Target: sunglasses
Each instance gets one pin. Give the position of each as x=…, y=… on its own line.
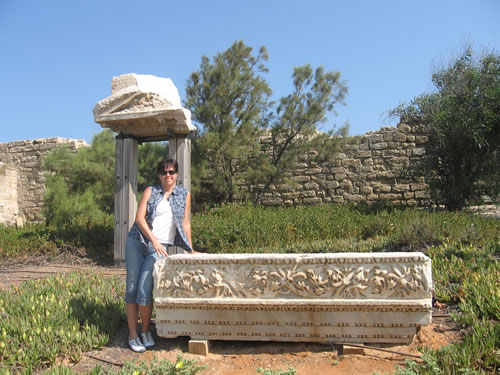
x=171, y=173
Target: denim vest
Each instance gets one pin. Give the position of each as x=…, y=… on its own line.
x=178, y=203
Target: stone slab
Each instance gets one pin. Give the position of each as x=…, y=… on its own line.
x=143, y=106
x=346, y=297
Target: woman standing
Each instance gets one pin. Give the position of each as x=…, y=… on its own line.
x=162, y=221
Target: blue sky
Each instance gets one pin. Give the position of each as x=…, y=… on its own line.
x=58, y=57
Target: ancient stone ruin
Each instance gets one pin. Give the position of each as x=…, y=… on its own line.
x=142, y=108
x=331, y=298
x=22, y=180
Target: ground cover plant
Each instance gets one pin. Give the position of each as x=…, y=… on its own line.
x=464, y=248
x=61, y=316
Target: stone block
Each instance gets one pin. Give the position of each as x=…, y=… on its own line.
x=399, y=160
x=331, y=184
x=390, y=196
x=344, y=297
x=351, y=163
x=418, y=151
x=382, y=188
x=379, y=146
x=346, y=184
x=311, y=171
x=199, y=347
x=368, y=162
x=285, y=188
x=417, y=187
x=399, y=188
x=375, y=138
x=143, y=106
x=311, y=186
x=354, y=198
x=399, y=137
x=301, y=179
x=366, y=189
x=388, y=137
x=421, y=194
x=408, y=195
x=364, y=154
x=404, y=128
x=337, y=170
x=419, y=139
x=308, y=194
x=292, y=195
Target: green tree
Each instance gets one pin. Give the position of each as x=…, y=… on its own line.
x=294, y=130
x=228, y=98
x=80, y=183
x=150, y=154
x=462, y=157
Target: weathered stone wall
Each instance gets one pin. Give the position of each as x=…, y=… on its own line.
x=22, y=182
x=368, y=171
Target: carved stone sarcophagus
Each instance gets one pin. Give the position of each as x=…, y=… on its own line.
x=340, y=298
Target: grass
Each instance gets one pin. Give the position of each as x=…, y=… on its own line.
x=465, y=253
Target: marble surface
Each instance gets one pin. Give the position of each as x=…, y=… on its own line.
x=338, y=297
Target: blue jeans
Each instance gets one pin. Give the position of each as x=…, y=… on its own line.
x=140, y=260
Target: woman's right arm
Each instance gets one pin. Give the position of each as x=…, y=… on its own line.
x=140, y=219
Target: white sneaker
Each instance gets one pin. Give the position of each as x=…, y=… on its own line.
x=147, y=339
x=136, y=345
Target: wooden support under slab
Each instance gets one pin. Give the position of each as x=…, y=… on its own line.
x=348, y=349
x=200, y=347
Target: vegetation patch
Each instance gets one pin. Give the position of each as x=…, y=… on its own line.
x=61, y=316
x=67, y=315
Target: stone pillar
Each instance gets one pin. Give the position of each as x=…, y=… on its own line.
x=179, y=148
x=125, y=193
x=9, y=209
x=142, y=108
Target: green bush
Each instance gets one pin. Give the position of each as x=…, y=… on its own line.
x=92, y=237
x=80, y=184
x=29, y=239
x=61, y=316
x=462, y=155
x=244, y=228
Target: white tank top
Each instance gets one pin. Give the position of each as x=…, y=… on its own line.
x=163, y=224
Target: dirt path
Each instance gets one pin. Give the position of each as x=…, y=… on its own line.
x=239, y=357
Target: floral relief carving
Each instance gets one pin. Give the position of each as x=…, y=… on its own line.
x=397, y=281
